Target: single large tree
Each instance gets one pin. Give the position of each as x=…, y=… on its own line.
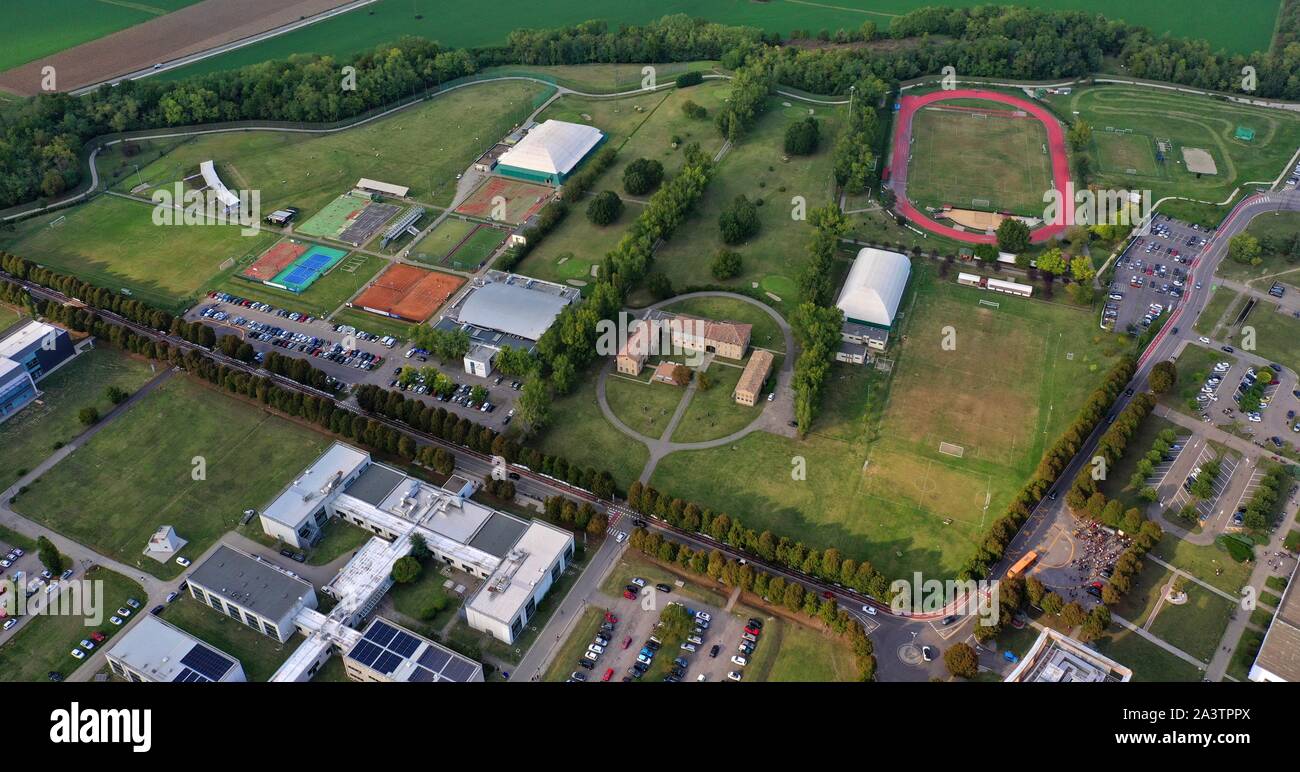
x=1163, y=376
x=642, y=176
x=1013, y=236
x=961, y=660
x=605, y=208
x=739, y=220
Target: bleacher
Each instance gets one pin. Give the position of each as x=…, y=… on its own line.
x=403, y=224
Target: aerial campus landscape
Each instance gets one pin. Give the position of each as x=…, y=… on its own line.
x=731, y=341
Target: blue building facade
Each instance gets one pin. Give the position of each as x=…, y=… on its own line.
x=28, y=354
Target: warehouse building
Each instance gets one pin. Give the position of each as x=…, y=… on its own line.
x=870, y=296
x=549, y=152
x=153, y=651
x=251, y=591
x=29, y=353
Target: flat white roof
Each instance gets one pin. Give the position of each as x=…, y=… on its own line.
x=160, y=650
x=302, y=496
x=512, y=309
x=552, y=147
x=8, y=368
x=25, y=337
x=1011, y=285
x=227, y=198
x=872, y=291
x=509, y=588
x=382, y=187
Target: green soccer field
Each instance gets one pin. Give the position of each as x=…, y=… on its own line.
x=436, y=246
x=138, y=473
x=478, y=247
x=51, y=26
x=1239, y=27
x=113, y=242
x=974, y=160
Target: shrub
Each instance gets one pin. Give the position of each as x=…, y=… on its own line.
x=605, y=208
x=642, y=176
x=726, y=264
x=802, y=137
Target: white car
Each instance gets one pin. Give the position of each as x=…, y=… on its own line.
x=1204, y=340
x=735, y=676
x=183, y=562
x=596, y=649
x=703, y=615
x=115, y=620
x=590, y=655
x=621, y=537
x=688, y=647
x=1254, y=419
x=78, y=653
x=11, y=622
x=87, y=645
x=870, y=610
x=736, y=659
x=638, y=581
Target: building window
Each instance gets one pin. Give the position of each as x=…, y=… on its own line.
x=516, y=628
x=555, y=572
x=530, y=608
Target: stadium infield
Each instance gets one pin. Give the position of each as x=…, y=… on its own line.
x=990, y=160
x=408, y=292
x=522, y=200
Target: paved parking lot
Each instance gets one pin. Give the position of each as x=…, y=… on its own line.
x=1205, y=507
x=30, y=568
x=1153, y=270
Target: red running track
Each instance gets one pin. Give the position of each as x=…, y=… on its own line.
x=903, y=145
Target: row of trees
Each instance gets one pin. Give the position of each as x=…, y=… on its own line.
x=774, y=590
x=1085, y=493
x=816, y=322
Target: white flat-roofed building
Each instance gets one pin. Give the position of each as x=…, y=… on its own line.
x=1010, y=287
x=478, y=360
x=228, y=199
x=298, y=513
x=1058, y=658
x=508, y=600
x=1279, y=655
x=153, y=651
x=251, y=591
x=375, y=186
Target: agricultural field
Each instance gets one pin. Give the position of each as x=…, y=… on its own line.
x=977, y=160
x=1241, y=27
x=55, y=25
x=445, y=135
x=1149, y=117
x=757, y=168
x=877, y=486
x=138, y=473
x=326, y=294
x=28, y=437
x=112, y=242
x=44, y=643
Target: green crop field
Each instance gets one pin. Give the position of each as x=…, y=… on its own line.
x=877, y=486
x=1240, y=27
x=137, y=473
x=423, y=147
x=44, y=643
x=51, y=26
x=1185, y=121
x=29, y=437
x=113, y=242
x=959, y=157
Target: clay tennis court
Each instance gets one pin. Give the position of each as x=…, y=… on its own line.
x=408, y=292
x=522, y=199
x=274, y=260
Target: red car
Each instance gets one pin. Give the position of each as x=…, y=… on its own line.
x=613, y=620
x=629, y=595
x=627, y=642
x=754, y=631
x=609, y=673
x=98, y=637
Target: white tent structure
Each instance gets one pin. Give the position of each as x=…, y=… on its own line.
x=228, y=200
x=164, y=544
x=874, y=288
x=549, y=152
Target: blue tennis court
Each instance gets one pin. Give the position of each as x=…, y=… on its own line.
x=304, y=271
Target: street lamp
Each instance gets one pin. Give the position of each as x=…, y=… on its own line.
x=852, y=90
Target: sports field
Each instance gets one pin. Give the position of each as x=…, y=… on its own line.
x=423, y=147
x=327, y=293
x=978, y=157
x=1238, y=27
x=438, y=245
x=270, y=263
x=877, y=485
x=408, y=292
x=477, y=248
x=349, y=218
x=505, y=199
x=1148, y=116
x=51, y=26
x=137, y=473
x=112, y=242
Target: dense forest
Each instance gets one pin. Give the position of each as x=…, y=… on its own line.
x=40, y=143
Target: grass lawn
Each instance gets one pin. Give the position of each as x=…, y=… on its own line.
x=1243, y=656
x=757, y=168
x=567, y=254
x=43, y=642
x=1210, y=563
x=333, y=671
x=644, y=406
x=55, y=25
x=579, y=431
x=634, y=564
x=1276, y=583
x=1194, y=365
x=1117, y=482
x=1274, y=232
x=442, y=240
x=479, y=247
x=8, y=316
x=1197, y=625
x=113, y=243
x=803, y=655
x=603, y=78
x=416, y=600
x=714, y=413
x=764, y=332
x=260, y=655
x=877, y=486
x=1147, y=589
x=29, y=437
x=136, y=474
x=566, y=659
x=321, y=298
x=961, y=156
x=1277, y=334
x=445, y=134
x=340, y=539
x=1149, y=662
x=1185, y=121
x=1220, y=301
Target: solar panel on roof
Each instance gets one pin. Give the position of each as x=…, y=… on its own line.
x=433, y=658
x=420, y=675
x=404, y=644
x=380, y=633
x=366, y=652
x=207, y=662
x=387, y=662
x=458, y=670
